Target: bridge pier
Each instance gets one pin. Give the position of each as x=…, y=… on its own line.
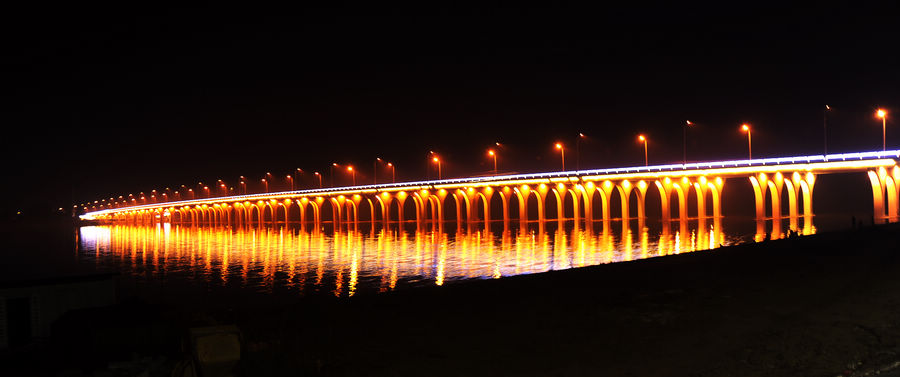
x=885, y=191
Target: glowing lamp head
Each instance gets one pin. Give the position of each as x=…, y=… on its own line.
x=490, y=152
x=688, y=123
x=349, y=168
x=390, y=164
x=642, y=138
x=881, y=113
x=745, y=128
x=435, y=159
x=316, y=173
x=558, y=146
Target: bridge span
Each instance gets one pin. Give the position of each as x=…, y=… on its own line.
x=575, y=192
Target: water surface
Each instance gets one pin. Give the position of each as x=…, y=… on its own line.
x=166, y=261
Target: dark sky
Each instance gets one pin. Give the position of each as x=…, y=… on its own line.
x=111, y=100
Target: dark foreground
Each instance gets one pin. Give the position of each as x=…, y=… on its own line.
x=822, y=305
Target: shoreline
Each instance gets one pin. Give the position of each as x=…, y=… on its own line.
x=818, y=305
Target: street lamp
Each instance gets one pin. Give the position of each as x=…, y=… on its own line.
x=375, y=171
x=393, y=176
x=883, y=115
x=746, y=128
x=352, y=173
x=438, y=161
x=825, y=130
x=333, y=165
x=289, y=178
x=644, y=140
x=578, y=150
x=320, y=178
x=494, y=155
x=562, y=152
x=266, y=183
x=687, y=124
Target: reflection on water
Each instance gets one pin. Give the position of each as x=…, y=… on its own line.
x=367, y=259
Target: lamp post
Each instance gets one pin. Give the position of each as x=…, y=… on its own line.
x=438, y=161
x=375, y=171
x=825, y=130
x=333, y=165
x=562, y=152
x=494, y=155
x=291, y=179
x=352, y=174
x=883, y=115
x=320, y=178
x=644, y=140
x=746, y=128
x=393, y=176
x=266, y=183
x=687, y=124
x=578, y=151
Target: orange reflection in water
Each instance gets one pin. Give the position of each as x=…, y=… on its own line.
x=347, y=262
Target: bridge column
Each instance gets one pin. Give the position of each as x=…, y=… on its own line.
x=385, y=199
x=522, y=193
x=301, y=205
x=560, y=192
x=759, y=186
x=541, y=192
x=354, y=200
x=576, y=192
x=605, y=190
x=715, y=188
x=701, y=188
x=458, y=202
x=587, y=195
x=471, y=199
x=401, y=199
x=371, y=212
x=336, y=211
x=641, y=193
x=486, y=195
x=506, y=194
x=624, y=189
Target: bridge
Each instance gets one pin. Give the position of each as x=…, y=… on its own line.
x=574, y=192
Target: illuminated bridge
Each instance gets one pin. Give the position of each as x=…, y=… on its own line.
x=574, y=192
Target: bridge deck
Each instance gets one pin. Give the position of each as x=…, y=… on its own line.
x=843, y=162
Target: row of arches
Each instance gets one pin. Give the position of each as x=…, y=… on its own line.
x=532, y=201
x=885, y=193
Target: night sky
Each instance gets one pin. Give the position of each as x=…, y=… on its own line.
x=107, y=100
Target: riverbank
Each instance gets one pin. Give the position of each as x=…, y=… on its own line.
x=820, y=305
x=823, y=305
